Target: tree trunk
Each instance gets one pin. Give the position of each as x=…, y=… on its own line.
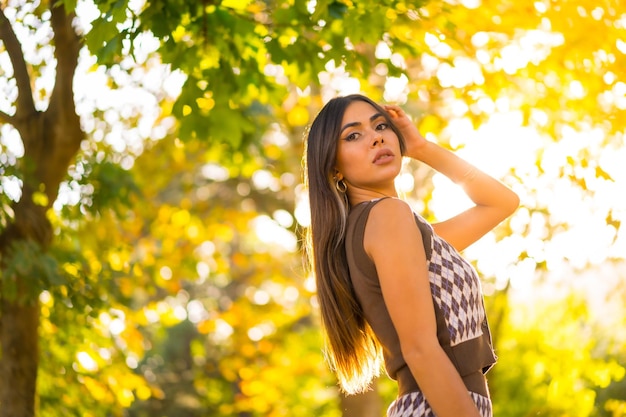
x=19, y=317
x=18, y=367
x=51, y=141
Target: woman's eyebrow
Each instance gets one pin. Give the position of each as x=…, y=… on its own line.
x=372, y=118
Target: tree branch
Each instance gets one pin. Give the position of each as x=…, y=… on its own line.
x=67, y=47
x=62, y=142
x=25, y=105
x=6, y=118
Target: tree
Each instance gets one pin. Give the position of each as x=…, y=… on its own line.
x=164, y=237
x=233, y=54
x=50, y=139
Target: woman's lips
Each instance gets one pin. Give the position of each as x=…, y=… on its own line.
x=383, y=156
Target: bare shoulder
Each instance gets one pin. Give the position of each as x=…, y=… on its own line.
x=391, y=206
x=391, y=222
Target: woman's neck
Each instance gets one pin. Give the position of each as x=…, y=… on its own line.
x=360, y=195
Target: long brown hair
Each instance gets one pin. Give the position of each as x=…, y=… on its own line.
x=352, y=349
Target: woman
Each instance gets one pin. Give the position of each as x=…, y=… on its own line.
x=391, y=286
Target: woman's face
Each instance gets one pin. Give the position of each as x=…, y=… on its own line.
x=368, y=150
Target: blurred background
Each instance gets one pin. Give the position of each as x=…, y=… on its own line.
x=152, y=206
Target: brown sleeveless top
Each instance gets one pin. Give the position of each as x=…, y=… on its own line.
x=462, y=328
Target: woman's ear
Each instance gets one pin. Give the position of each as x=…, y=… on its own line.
x=337, y=175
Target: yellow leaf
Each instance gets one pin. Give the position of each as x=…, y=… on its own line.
x=125, y=397
x=206, y=326
x=288, y=37
x=247, y=373
x=143, y=392
x=211, y=59
x=126, y=286
x=260, y=30
x=181, y=218
x=205, y=104
x=41, y=199
x=179, y=33
x=298, y=116
x=98, y=390
x=116, y=261
x=236, y=4
x=429, y=124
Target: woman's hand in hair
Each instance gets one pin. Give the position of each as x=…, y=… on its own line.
x=412, y=137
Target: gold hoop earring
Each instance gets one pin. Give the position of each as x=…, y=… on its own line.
x=341, y=186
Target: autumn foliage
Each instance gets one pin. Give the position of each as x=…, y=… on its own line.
x=167, y=277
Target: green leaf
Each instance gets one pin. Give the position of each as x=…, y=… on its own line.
x=337, y=10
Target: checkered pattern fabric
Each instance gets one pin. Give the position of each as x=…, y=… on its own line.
x=456, y=289
x=415, y=405
x=412, y=404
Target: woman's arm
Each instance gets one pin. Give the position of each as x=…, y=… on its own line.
x=493, y=200
x=393, y=241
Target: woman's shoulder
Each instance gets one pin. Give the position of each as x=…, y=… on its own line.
x=390, y=203
x=380, y=206
x=387, y=214
x=391, y=220
x=391, y=206
x=387, y=210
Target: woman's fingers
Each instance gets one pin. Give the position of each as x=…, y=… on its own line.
x=395, y=111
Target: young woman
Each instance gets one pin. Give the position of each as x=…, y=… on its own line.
x=392, y=287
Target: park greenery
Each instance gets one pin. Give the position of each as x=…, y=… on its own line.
x=152, y=206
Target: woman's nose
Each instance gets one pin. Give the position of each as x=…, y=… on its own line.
x=378, y=140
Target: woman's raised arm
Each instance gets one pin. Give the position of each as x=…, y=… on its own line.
x=493, y=200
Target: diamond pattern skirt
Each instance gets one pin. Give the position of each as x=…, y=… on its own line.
x=414, y=404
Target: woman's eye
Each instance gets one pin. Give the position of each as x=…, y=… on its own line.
x=352, y=136
x=382, y=126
